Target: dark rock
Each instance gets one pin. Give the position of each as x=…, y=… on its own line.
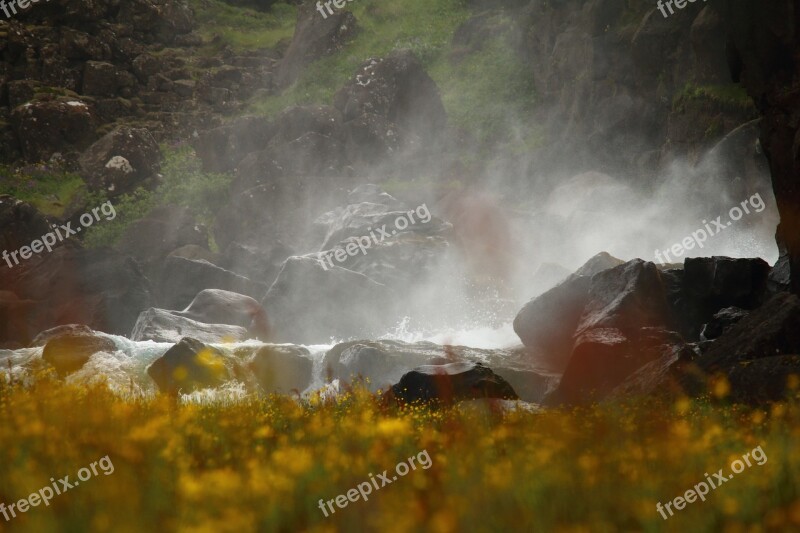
x=192, y=365
x=722, y=322
x=282, y=369
x=450, y=383
x=772, y=329
x=259, y=263
x=68, y=352
x=121, y=160
x=398, y=89
x=314, y=37
x=182, y=279
x=548, y=322
x=709, y=284
x=58, y=125
x=604, y=357
x=160, y=325
x=20, y=319
x=20, y=224
x=100, y=79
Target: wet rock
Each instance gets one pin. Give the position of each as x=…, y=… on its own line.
x=160, y=325
x=215, y=306
x=450, y=383
x=182, y=279
x=722, y=322
x=68, y=351
x=281, y=369
x=772, y=329
x=191, y=365
x=604, y=357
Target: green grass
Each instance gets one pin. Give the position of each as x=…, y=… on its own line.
x=47, y=191
x=425, y=27
x=185, y=184
x=241, y=28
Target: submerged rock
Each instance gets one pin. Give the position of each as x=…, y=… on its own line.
x=191, y=365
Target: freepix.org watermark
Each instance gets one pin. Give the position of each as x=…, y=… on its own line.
x=365, y=488
x=680, y=4
x=699, y=237
x=361, y=244
x=56, y=488
x=701, y=489
x=13, y=4
x=59, y=233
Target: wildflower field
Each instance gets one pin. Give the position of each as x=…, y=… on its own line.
x=263, y=464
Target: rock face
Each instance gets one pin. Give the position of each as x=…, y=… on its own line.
x=160, y=325
x=192, y=365
x=68, y=351
x=120, y=161
x=450, y=383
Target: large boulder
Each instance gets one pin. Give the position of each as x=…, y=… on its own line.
x=68, y=351
x=222, y=148
x=315, y=36
x=182, y=279
x=772, y=329
x=121, y=161
x=99, y=287
x=771, y=379
x=604, y=357
x=398, y=89
x=450, y=383
x=548, y=322
x=20, y=224
x=20, y=320
x=47, y=126
x=281, y=369
x=216, y=306
x=192, y=365
x=160, y=325
x=627, y=297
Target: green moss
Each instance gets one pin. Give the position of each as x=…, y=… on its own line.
x=184, y=184
x=241, y=28
x=732, y=96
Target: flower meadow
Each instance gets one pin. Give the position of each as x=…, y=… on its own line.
x=263, y=463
